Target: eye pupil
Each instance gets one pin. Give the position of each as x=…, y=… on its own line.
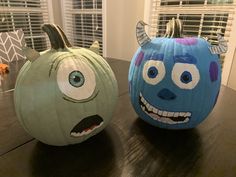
x=152, y=72
x=76, y=79
x=186, y=77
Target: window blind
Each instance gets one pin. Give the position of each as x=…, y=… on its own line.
x=83, y=22
x=200, y=18
x=28, y=15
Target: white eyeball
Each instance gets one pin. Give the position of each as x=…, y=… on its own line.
x=76, y=79
x=185, y=76
x=153, y=71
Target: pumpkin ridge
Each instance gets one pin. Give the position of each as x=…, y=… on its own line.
x=90, y=53
x=57, y=60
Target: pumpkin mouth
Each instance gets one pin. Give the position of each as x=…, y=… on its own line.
x=86, y=126
x=163, y=115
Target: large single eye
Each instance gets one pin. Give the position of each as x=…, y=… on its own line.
x=76, y=79
x=185, y=76
x=153, y=71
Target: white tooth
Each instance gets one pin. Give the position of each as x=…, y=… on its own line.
x=176, y=114
x=145, y=102
x=164, y=113
x=169, y=121
x=143, y=108
x=161, y=120
x=164, y=120
x=150, y=108
x=181, y=122
x=182, y=114
x=170, y=114
x=74, y=134
x=147, y=106
x=142, y=99
x=160, y=112
x=140, y=94
x=154, y=118
x=186, y=120
x=155, y=110
x=188, y=114
x=80, y=134
x=86, y=132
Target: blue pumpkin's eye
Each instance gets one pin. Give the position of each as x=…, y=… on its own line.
x=186, y=77
x=76, y=79
x=152, y=72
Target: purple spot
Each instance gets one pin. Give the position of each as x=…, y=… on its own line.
x=213, y=71
x=186, y=41
x=139, y=58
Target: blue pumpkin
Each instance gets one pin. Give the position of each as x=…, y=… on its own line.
x=174, y=82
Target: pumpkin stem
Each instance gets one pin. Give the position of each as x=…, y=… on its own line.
x=56, y=36
x=174, y=29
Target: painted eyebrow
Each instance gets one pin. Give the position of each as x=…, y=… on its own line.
x=56, y=62
x=187, y=58
x=52, y=65
x=154, y=56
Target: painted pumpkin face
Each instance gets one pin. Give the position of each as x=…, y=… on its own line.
x=174, y=82
x=66, y=95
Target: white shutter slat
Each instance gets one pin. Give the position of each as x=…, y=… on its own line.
x=200, y=18
x=192, y=2
x=28, y=15
x=216, y=20
x=83, y=22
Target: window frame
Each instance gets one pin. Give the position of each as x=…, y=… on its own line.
x=47, y=18
x=104, y=23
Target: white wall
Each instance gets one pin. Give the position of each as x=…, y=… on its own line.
x=55, y=10
x=230, y=63
x=57, y=13
x=232, y=76
x=122, y=17
x=229, y=70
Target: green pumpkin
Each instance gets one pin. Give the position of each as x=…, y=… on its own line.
x=64, y=95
